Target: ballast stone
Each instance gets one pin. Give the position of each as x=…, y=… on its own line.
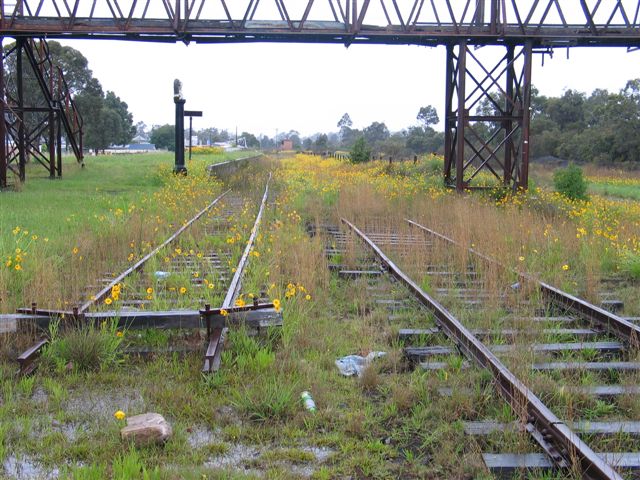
x=146, y=429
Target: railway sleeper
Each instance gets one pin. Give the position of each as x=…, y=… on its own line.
x=409, y=334
x=508, y=465
x=552, y=348
x=555, y=366
x=607, y=392
x=589, y=427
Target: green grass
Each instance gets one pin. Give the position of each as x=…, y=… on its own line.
x=631, y=192
x=63, y=207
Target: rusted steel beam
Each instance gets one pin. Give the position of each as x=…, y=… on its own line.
x=262, y=317
x=497, y=152
x=563, y=446
x=3, y=126
x=461, y=121
x=598, y=317
x=140, y=263
x=27, y=357
x=412, y=21
x=235, y=309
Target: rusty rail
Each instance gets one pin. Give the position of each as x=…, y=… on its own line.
x=563, y=446
x=599, y=317
x=216, y=332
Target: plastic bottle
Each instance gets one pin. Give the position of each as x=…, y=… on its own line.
x=309, y=404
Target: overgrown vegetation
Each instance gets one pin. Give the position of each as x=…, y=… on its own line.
x=248, y=420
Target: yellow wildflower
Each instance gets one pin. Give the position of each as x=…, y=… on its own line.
x=119, y=415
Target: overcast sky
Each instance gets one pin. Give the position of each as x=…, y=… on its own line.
x=263, y=87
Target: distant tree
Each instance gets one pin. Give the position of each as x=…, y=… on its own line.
x=395, y=146
x=334, y=139
x=428, y=116
x=322, y=142
x=376, y=133
x=307, y=143
x=123, y=130
x=360, y=152
x=345, y=121
x=164, y=137
x=266, y=142
x=74, y=65
x=90, y=103
x=424, y=140
x=252, y=141
x=567, y=111
x=212, y=135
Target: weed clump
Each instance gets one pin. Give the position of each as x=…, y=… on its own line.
x=571, y=183
x=88, y=348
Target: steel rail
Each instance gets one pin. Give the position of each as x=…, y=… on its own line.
x=216, y=334
x=564, y=447
x=140, y=263
x=597, y=316
x=236, y=281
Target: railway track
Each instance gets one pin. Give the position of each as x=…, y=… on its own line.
x=151, y=294
x=567, y=368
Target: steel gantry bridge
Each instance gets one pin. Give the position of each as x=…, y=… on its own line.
x=493, y=138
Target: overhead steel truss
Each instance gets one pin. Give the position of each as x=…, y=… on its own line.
x=493, y=140
x=422, y=22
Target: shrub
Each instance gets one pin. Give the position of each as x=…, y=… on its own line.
x=570, y=182
x=360, y=152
